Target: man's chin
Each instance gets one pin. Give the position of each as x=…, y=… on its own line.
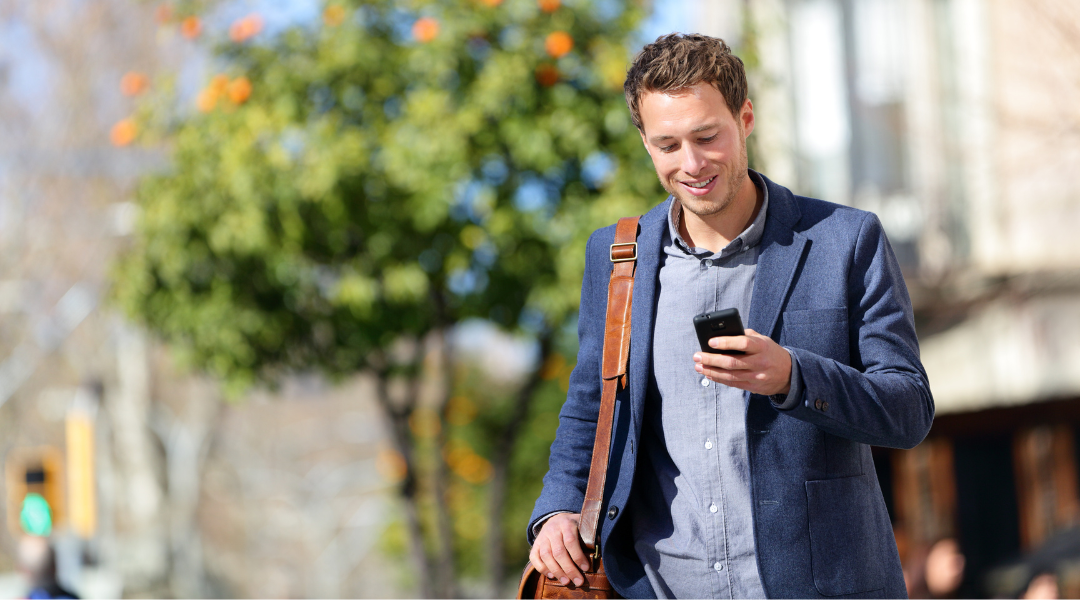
x=702, y=206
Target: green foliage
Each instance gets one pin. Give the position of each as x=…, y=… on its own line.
x=374, y=187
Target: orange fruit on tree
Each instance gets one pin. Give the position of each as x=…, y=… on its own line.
x=246, y=27
x=547, y=75
x=163, y=13
x=558, y=44
x=206, y=100
x=191, y=27
x=425, y=29
x=239, y=90
x=124, y=132
x=133, y=83
x=334, y=15
x=549, y=6
x=218, y=83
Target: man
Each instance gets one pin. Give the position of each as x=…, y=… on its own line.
x=737, y=476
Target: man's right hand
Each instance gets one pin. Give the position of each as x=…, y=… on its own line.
x=557, y=553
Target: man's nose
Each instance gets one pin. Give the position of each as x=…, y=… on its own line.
x=693, y=160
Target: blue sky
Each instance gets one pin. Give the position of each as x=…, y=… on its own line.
x=668, y=16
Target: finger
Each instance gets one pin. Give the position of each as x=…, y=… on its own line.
x=720, y=375
x=730, y=342
x=551, y=566
x=534, y=558
x=573, y=546
x=739, y=376
x=722, y=361
x=566, y=562
x=742, y=380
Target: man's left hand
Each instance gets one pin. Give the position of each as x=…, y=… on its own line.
x=764, y=369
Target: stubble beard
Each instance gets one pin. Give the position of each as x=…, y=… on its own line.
x=704, y=207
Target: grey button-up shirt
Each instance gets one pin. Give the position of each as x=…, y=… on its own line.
x=691, y=507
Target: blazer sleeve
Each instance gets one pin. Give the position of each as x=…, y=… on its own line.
x=882, y=397
x=571, y=452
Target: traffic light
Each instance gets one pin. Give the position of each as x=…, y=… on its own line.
x=35, y=486
x=35, y=517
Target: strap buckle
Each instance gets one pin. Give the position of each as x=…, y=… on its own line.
x=631, y=245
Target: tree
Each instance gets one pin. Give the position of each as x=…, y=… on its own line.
x=349, y=190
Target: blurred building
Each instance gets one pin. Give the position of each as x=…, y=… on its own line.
x=957, y=122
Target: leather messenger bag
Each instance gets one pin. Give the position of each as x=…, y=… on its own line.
x=615, y=360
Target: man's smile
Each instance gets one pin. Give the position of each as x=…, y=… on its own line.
x=699, y=188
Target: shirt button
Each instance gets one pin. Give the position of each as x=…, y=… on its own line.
x=713, y=508
x=708, y=262
x=704, y=382
x=718, y=566
x=708, y=444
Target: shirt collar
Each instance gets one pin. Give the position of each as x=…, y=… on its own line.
x=749, y=238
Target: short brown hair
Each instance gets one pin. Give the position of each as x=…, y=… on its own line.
x=678, y=61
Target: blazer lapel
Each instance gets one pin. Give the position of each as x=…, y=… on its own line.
x=781, y=251
x=646, y=278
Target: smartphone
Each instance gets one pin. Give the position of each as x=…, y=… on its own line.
x=715, y=324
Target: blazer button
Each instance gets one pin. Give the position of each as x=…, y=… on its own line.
x=612, y=512
x=817, y=404
x=824, y=406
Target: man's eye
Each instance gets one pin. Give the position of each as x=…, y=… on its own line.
x=709, y=139
x=667, y=148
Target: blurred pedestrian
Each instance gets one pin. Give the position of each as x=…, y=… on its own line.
x=37, y=561
x=1044, y=586
x=914, y=567
x=944, y=568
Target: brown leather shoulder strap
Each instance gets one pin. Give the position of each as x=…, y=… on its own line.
x=613, y=370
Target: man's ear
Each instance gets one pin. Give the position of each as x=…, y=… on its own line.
x=746, y=115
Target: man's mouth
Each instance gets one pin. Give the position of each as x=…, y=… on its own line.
x=698, y=185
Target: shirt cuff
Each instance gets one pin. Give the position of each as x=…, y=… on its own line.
x=540, y=522
x=791, y=399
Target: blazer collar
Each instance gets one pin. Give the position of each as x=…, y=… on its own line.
x=653, y=224
x=781, y=251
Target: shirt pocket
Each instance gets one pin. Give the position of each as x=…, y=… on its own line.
x=845, y=543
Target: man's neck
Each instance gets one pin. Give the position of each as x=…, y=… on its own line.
x=714, y=232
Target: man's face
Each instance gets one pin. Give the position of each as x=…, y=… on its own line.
x=697, y=146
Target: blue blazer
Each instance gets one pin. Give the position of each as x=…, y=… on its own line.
x=828, y=286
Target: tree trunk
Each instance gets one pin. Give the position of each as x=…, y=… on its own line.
x=186, y=439
x=142, y=538
x=399, y=433
x=444, y=522
x=500, y=463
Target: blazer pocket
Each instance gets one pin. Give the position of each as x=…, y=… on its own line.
x=845, y=544
x=817, y=315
